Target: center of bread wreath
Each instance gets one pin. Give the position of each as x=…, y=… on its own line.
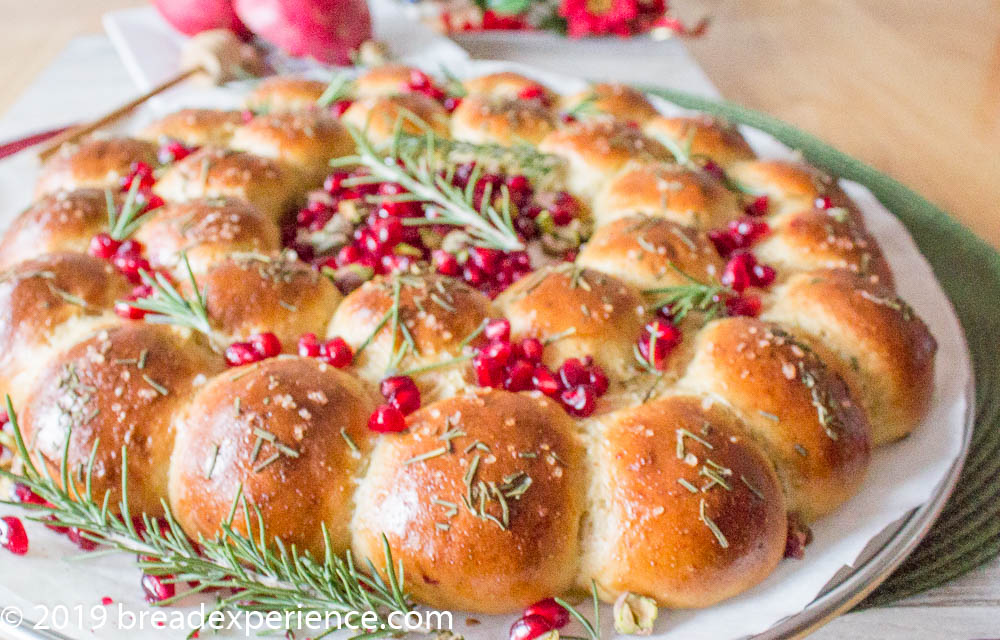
x=470, y=344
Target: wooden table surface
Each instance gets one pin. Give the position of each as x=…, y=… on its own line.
x=910, y=86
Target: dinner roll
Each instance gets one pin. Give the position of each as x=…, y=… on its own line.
x=207, y=231
x=96, y=163
x=651, y=253
x=580, y=312
x=196, y=127
x=49, y=303
x=64, y=221
x=609, y=100
x=684, y=507
x=666, y=190
x=480, y=502
x=595, y=151
x=484, y=120
x=508, y=85
x=289, y=435
x=878, y=345
x=700, y=137
x=285, y=93
x=212, y=172
x=797, y=409
x=304, y=141
x=412, y=113
x=122, y=386
x=790, y=186
x=384, y=80
x=439, y=314
x=251, y=293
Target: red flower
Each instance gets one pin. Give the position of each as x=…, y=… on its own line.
x=620, y=17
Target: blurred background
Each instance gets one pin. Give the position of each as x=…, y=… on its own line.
x=909, y=86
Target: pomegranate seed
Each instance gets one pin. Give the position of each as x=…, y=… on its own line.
x=13, y=537
x=336, y=352
x=762, y=275
x=339, y=107
x=736, y=274
x=667, y=336
x=24, y=494
x=333, y=182
x=573, y=373
x=473, y=275
x=713, y=169
x=407, y=401
x=240, y=353
x=551, y=610
x=445, y=263
x=138, y=171
x=487, y=372
x=748, y=231
x=394, y=384
x=799, y=535
x=450, y=103
x=387, y=419
x=156, y=589
x=309, y=345
x=348, y=254
x=598, y=380
x=564, y=209
x=529, y=627
x=543, y=380
x=498, y=330
x=103, y=246
x=152, y=201
x=580, y=401
x=124, y=310
x=172, y=151
x=266, y=345
x=520, y=376
x=486, y=259
x=746, y=305
x=532, y=348
x=77, y=538
x=824, y=202
x=724, y=241
x=498, y=353
x=106, y=600
x=758, y=206
x=534, y=92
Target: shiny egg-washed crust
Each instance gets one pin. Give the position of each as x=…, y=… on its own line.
x=662, y=472
x=207, y=232
x=64, y=221
x=460, y=559
x=762, y=418
x=669, y=191
x=254, y=293
x=440, y=315
x=195, y=127
x=291, y=433
x=94, y=163
x=486, y=120
x=577, y=311
x=123, y=386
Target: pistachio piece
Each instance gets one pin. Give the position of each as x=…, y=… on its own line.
x=635, y=614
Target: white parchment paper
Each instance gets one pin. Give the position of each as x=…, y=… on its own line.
x=902, y=476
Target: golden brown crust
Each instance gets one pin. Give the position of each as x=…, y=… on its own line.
x=609, y=100
x=292, y=432
x=207, y=231
x=454, y=558
x=667, y=191
x=651, y=253
x=701, y=136
x=253, y=293
x=414, y=112
x=47, y=304
x=64, y=221
x=439, y=313
x=684, y=507
x=383, y=80
x=303, y=140
x=791, y=186
x=875, y=341
x=506, y=84
x=122, y=386
x=484, y=120
x=581, y=311
x=822, y=239
x=212, y=172
x=285, y=93
x=797, y=409
x=597, y=150
x=96, y=162
x=195, y=127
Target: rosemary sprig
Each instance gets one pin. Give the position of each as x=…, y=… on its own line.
x=520, y=158
x=258, y=575
x=593, y=629
x=709, y=299
x=427, y=178
x=123, y=222
x=168, y=306
x=339, y=88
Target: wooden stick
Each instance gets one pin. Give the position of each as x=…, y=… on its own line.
x=75, y=133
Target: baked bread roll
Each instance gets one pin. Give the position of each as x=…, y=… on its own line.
x=609, y=100
x=509, y=85
x=485, y=120
x=196, y=127
x=412, y=113
x=490, y=528
x=285, y=93
x=700, y=137
x=94, y=163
